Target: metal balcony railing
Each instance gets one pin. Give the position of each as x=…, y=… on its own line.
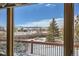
x=32, y=48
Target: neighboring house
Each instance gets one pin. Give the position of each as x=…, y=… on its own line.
x=2, y=32
x=2, y=28
x=32, y=29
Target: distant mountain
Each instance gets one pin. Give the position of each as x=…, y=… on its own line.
x=43, y=23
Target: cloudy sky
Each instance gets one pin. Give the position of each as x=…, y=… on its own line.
x=37, y=15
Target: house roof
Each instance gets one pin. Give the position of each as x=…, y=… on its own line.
x=6, y=5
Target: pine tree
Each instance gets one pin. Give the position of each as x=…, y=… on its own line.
x=53, y=31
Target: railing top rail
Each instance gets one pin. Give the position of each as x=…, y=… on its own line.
x=46, y=43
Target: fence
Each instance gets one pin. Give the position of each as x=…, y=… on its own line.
x=47, y=48
x=33, y=48
x=43, y=48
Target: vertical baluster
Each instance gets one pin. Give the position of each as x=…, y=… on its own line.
x=41, y=51
x=59, y=50
x=36, y=49
x=48, y=50
x=31, y=47
x=77, y=51
x=73, y=51
x=62, y=50
x=26, y=47
x=55, y=50
x=45, y=50
x=51, y=49
x=35, y=45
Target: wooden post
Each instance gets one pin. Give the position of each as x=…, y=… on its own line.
x=68, y=28
x=10, y=31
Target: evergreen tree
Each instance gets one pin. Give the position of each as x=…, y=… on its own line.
x=53, y=31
